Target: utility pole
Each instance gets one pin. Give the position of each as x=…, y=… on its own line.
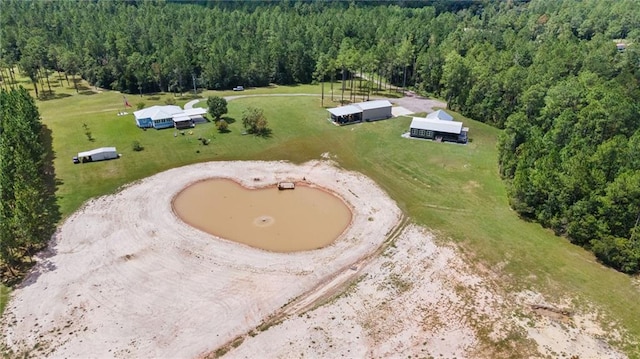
x=195, y=91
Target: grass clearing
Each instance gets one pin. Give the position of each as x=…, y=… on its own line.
x=4, y=297
x=453, y=189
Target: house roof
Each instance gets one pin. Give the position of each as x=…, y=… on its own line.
x=158, y=112
x=169, y=111
x=440, y=115
x=370, y=105
x=196, y=111
x=422, y=123
x=96, y=151
x=344, y=110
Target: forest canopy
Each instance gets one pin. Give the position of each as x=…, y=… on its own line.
x=560, y=77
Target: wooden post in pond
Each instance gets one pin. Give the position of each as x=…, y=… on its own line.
x=286, y=185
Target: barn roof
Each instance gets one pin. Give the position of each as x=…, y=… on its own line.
x=344, y=110
x=370, y=105
x=422, y=123
x=440, y=115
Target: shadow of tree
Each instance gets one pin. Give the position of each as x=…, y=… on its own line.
x=265, y=133
x=81, y=86
x=189, y=96
x=229, y=120
x=53, y=96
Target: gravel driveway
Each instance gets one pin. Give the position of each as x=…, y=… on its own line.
x=418, y=104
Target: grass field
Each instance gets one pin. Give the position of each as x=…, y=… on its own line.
x=455, y=190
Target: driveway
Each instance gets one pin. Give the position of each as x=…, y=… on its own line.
x=412, y=103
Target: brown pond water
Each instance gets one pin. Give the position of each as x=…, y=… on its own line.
x=281, y=221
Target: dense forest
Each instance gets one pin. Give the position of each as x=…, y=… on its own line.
x=562, y=78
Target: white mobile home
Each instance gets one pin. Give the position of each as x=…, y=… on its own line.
x=99, y=154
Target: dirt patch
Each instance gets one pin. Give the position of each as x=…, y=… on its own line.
x=129, y=278
x=126, y=278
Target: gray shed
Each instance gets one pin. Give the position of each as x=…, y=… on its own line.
x=375, y=110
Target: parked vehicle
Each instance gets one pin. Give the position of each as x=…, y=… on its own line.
x=238, y=88
x=99, y=154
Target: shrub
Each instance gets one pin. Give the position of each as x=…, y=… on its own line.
x=136, y=146
x=223, y=126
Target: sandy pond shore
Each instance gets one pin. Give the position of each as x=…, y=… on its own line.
x=125, y=277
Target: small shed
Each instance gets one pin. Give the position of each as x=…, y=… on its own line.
x=375, y=110
x=438, y=130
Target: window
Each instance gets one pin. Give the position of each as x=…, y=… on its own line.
x=428, y=133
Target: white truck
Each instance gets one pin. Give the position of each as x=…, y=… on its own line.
x=99, y=154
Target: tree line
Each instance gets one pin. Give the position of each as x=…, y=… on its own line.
x=28, y=211
x=560, y=77
x=150, y=46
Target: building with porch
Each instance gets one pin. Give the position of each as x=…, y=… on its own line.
x=159, y=117
x=439, y=127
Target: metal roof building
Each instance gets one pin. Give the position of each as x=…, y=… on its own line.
x=362, y=111
x=344, y=110
x=439, y=130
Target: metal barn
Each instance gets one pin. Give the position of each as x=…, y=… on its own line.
x=362, y=111
x=375, y=110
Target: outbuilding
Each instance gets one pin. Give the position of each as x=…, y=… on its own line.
x=375, y=110
x=361, y=111
x=439, y=130
x=99, y=154
x=346, y=114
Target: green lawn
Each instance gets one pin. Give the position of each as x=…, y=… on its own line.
x=453, y=189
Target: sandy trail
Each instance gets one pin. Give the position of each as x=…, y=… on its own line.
x=124, y=277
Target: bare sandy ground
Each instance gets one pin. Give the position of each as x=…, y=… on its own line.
x=124, y=277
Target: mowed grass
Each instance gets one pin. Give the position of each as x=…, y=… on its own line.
x=452, y=189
